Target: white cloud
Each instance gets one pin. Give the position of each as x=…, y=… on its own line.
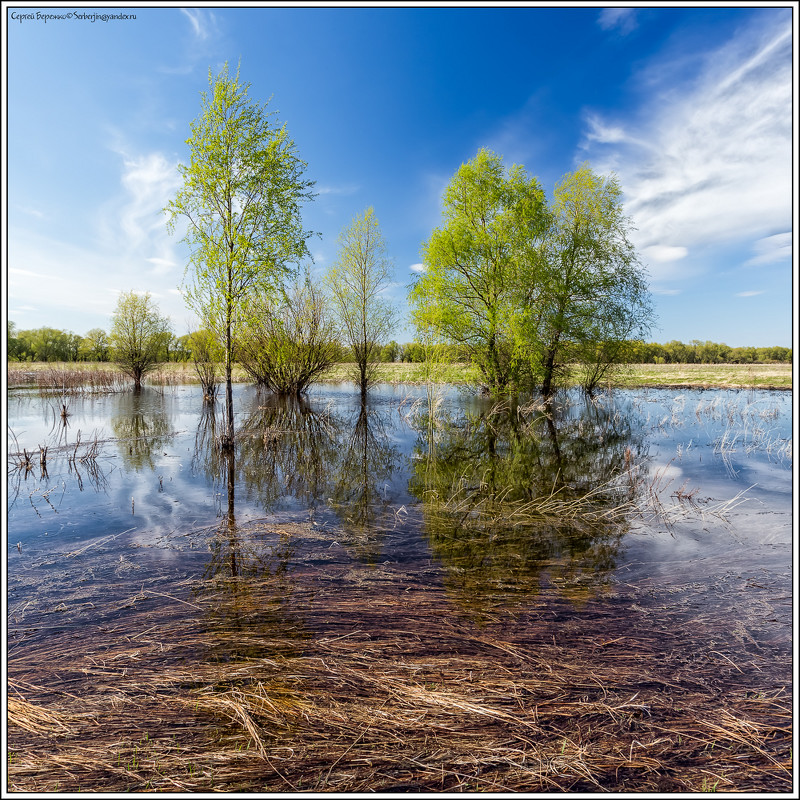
x=32, y=212
x=162, y=266
x=78, y=285
x=621, y=19
x=771, y=249
x=662, y=254
x=149, y=182
x=603, y=133
x=417, y=268
x=660, y=290
x=344, y=190
x=203, y=22
x=28, y=274
x=749, y=294
x=707, y=162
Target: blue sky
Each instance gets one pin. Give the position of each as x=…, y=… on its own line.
x=691, y=107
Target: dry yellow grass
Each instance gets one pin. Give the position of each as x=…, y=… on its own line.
x=356, y=678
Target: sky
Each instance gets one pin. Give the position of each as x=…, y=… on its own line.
x=691, y=108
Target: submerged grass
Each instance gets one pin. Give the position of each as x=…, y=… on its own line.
x=341, y=677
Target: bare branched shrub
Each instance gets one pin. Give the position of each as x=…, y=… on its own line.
x=207, y=355
x=287, y=344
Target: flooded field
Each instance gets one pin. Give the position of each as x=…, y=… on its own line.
x=430, y=592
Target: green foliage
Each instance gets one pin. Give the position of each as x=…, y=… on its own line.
x=525, y=289
x=241, y=199
x=477, y=263
x=587, y=295
x=137, y=335
x=391, y=352
x=696, y=352
x=44, y=344
x=356, y=281
x=95, y=346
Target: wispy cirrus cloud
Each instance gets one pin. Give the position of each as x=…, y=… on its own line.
x=749, y=294
x=771, y=249
x=343, y=190
x=126, y=246
x=133, y=223
x=622, y=20
x=28, y=274
x=706, y=162
x=203, y=22
x=663, y=254
x=31, y=212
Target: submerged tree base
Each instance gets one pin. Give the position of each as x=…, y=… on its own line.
x=346, y=677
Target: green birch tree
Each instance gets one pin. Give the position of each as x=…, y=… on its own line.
x=241, y=197
x=357, y=281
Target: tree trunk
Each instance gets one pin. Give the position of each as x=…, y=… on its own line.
x=549, y=368
x=228, y=437
x=231, y=518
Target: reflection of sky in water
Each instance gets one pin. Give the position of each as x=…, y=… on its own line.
x=154, y=475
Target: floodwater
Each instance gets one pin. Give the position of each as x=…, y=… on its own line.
x=713, y=472
x=648, y=528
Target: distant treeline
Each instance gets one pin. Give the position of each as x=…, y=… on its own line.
x=51, y=344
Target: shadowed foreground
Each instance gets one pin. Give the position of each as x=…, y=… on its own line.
x=348, y=677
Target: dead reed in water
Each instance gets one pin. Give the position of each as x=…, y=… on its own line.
x=69, y=380
x=363, y=679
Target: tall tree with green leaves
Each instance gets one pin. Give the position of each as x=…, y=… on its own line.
x=96, y=346
x=241, y=198
x=357, y=281
x=137, y=334
x=591, y=297
x=493, y=220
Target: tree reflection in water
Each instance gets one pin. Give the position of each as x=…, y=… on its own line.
x=513, y=498
x=290, y=455
x=142, y=426
x=247, y=576
x=317, y=459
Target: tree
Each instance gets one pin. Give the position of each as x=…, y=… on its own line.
x=95, y=346
x=586, y=296
x=16, y=347
x=46, y=344
x=207, y=354
x=137, y=332
x=390, y=352
x=241, y=198
x=475, y=263
x=357, y=280
x=289, y=343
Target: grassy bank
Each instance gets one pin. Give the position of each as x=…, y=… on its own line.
x=703, y=376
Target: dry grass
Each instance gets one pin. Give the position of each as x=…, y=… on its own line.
x=674, y=376
x=347, y=678
x=706, y=376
